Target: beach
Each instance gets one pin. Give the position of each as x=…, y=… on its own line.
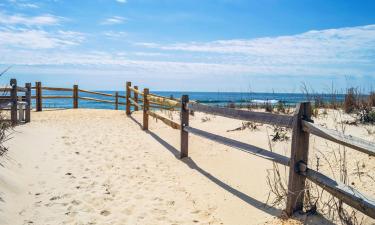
x=91, y=166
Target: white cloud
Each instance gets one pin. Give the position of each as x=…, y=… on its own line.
x=113, y=20
x=122, y=1
x=38, y=39
x=115, y=34
x=339, y=52
x=42, y=20
x=355, y=44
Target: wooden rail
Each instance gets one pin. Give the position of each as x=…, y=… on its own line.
x=20, y=105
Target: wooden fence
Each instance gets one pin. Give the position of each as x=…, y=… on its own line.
x=18, y=105
x=300, y=123
x=75, y=96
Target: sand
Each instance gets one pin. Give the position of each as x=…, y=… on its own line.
x=88, y=166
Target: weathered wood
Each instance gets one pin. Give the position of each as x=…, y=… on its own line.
x=170, y=97
x=5, y=104
x=56, y=96
x=272, y=156
x=260, y=117
x=184, y=142
x=121, y=96
x=340, y=138
x=135, y=90
x=21, y=89
x=345, y=193
x=14, y=99
x=136, y=106
x=116, y=100
x=299, y=153
x=163, y=101
x=145, y=109
x=128, y=85
x=38, y=96
x=96, y=93
x=97, y=100
x=134, y=103
x=169, y=122
x=75, y=96
x=5, y=89
x=56, y=89
x=28, y=101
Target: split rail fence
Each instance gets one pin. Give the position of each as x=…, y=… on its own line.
x=301, y=124
x=75, y=96
x=18, y=105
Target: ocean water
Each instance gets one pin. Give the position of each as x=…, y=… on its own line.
x=215, y=98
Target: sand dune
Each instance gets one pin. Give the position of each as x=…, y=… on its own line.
x=98, y=167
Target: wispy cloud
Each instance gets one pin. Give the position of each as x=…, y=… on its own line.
x=122, y=1
x=354, y=44
x=19, y=19
x=113, y=20
x=38, y=39
x=115, y=34
x=338, y=52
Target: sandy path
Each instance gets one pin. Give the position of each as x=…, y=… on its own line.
x=99, y=167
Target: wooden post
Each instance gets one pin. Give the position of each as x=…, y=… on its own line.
x=128, y=84
x=28, y=102
x=145, y=109
x=136, y=98
x=116, y=100
x=38, y=97
x=75, y=96
x=14, y=99
x=184, y=122
x=299, y=153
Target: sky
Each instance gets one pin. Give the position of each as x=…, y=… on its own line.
x=190, y=45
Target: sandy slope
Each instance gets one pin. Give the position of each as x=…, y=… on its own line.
x=99, y=167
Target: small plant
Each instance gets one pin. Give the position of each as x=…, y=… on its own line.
x=280, y=107
x=351, y=99
x=268, y=107
x=280, y=134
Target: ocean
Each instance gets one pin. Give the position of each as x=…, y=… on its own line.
x=214, y=98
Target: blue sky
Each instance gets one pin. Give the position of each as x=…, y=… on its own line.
x=198, y=45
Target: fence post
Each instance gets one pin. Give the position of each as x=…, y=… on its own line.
x=75, y=96
x=184, y=123
x=128, y=84
x=38, y=96
x=116, y=100
x=299, y=153
x=145, y=109
x=14, y=99
x=136, y=98
x=28, y=102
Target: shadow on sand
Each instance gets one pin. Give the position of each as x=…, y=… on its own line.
x=310, y=220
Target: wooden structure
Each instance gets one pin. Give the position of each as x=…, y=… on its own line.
x=75, y=96
x=18, y=105
x=300, y=123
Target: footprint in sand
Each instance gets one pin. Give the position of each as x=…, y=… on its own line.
x=105, y=212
